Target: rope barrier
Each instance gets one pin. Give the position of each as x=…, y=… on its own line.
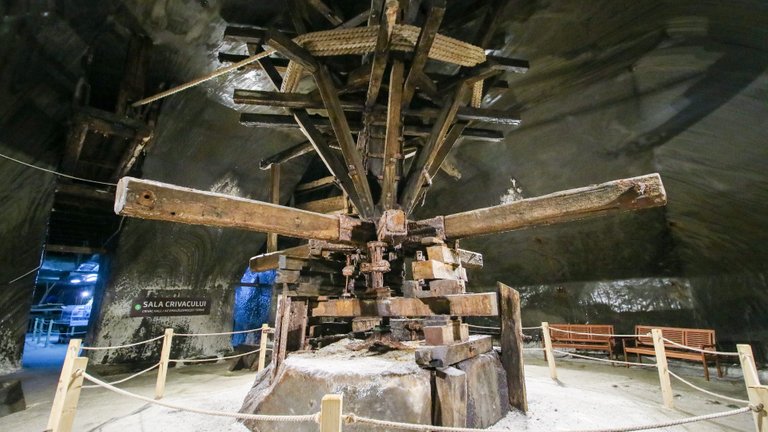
x=217, y=334
x=703, y=351
x=258, y=417
x=31, y=271
x=690, y=384
x=213, y=359
x=55, y=173
x=90, y=348
x=604, y=360
x=531, y=328
x=127, y=378
x=597, y=334
x=352, y=418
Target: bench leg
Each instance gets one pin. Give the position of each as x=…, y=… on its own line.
x=717, y=365
x=706, y=368
x=626, y=359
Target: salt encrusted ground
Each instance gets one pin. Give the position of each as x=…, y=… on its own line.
x=588, y=396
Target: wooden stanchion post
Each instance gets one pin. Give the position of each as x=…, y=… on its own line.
x=661, y=365
x=263, y=346
x=48, y=337
x=162, y=370
x=330, y=413
x=34, y=331
x=548, y=353
x=67, y=390
x=758, y=394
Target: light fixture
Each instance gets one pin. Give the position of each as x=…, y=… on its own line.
x=75, y=281
x=85, y=294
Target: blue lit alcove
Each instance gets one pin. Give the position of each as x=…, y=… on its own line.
x=252, y=302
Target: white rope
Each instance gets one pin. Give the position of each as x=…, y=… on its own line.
x=217, y=334
x=56, y=173
x=127, y=378
x=352, y=418
x=91, y=348
x=25, y=274
x=690, y=384
x=531, y=328
x=735, y=354
x=671, y=422
x=605, y=360
x=258, y=417
x=597, y=334
x=213, y=359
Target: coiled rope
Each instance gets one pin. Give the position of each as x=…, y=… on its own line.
x=258, y=417
x=717, y=395
x=359, y=40
x=97, y=348
x=127, y=378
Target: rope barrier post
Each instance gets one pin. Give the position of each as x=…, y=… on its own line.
x=34, y=331
x=67, y=390
x=548, y=350
x=661, y=365
x=263, y=346
x=330, y=413
x=162, y=370
x=752, y=381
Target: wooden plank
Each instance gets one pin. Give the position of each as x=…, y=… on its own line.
x=279, y=343
x=438, y=335
x=332, y=205
x=326, y=12
x=290, y=153
x=512, y=346
x=147, y=199
x=446, y=355
x=310, y=101
x=74, y=146
x=423, y=46
x=274, y=198
x=450, y=405
x=470, y=260
x=279, y=63
x=290, y=50
x=424, y=159
x=297, y=325
x=431, y=269
x=352, y=158
x=82, y=250
x=490, y=22
x=414, y=130
x=271, y=261
x=483, y=304
x=393, y=143
x=444, y=148
x=315, y=184
x=560, y=207
x=442, y=253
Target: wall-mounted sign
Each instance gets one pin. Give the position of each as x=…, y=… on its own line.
x=170, y=306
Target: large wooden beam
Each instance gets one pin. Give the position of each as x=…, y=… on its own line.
x=381, y=51
x=413, y=130
x=291, y=152
x=309, y=101
x=393, y=142
x=423, y=45
x=147, y=199
x=570, y=205
x=274, y=198
x=484, y=304
x=446, y=355
x=271, y=260
x=512, y=346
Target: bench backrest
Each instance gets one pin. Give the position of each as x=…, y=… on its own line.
x=691, y=337
x=599, y=329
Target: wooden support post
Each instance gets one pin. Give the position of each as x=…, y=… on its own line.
x=661, y=364
x=752, y=382
x=548, y=353
x=274, y=199
x=393, y=144
x=162, y=370
x=330, y=413
x=423, y=45
x=67, y=390
x=263, y=346
x=512, y=345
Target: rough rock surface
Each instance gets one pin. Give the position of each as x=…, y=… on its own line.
x=487, y=396
x=11, y=397
x=387, y=386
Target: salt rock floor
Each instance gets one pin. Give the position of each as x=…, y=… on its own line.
x=588, y=395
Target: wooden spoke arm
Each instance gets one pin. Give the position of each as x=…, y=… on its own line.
x=566, y=206
x=147, y=199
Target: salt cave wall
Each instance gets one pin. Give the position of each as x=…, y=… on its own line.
x=198, y=144
x=619, y=89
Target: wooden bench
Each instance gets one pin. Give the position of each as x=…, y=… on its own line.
x=692, y=337
x=601, y=340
